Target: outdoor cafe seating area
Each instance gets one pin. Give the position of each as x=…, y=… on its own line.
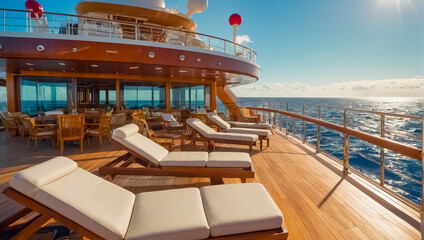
x=90, y=126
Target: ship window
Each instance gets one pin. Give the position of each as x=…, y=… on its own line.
x=189, y=96
x=40, y=94
x=137, y=95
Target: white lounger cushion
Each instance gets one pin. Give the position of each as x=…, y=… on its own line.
x=202, y=128
x=126, y=131
x=141, y=145
x=28, y=181
x=229, y=159
x=234, y=136
x=239, y=208
x=213, y=116
x=168, y=117
x=186, y=159
x=259, y=132
x=250, y=125
x=101, y=206
x=171, y=214
x=208, y=132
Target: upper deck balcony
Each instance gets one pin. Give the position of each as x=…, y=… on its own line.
x=69, y=26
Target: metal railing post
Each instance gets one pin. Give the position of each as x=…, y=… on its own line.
x=209, y=45
x=281, y=122
x=4, y=20
x=294, y=120
x=318, y=148
x=225, y=47
x=382, y=134
x=345, y=145
x=269, y=113
x=287, y=119
x=422, y=176
x=304, y=124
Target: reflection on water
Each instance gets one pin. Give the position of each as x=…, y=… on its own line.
x=363, y=156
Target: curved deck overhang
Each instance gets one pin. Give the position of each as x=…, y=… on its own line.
x=156, y=16
x=65, y=53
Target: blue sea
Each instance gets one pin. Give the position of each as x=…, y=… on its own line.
x=363, y=156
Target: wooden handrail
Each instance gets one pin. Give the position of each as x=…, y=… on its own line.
x=396, y=147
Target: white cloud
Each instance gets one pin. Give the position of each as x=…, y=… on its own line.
x=407, y=87
x=243, y=39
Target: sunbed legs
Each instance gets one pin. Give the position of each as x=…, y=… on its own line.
x=250, y=148
x=216, y=181
x=27, y=232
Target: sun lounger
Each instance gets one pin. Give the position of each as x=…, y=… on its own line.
x=172, y=123
x=157, y=161
x=206, y=133
x=98, y=209
x=222, y=125
x=250, y=125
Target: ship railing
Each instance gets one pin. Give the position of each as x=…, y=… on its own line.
x=294, y=118
x=68, y=24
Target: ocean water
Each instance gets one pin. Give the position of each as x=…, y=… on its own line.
x=403, y=175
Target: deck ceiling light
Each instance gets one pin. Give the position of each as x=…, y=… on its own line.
x=132, y=68
x=30, y=64
x=219, y=63
x=31, y=69
x=74, y=49
x=199, y=59
x=62, y=64
x=158, y=68
x=183, y=71
x=41, y=48
x=151, y=54
x=94, y=65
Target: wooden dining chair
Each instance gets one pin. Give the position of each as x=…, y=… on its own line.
x=144, y=129
x=70, y=127
x=24, y=128
x=37, y=132
x=118, y=120
x=10, y=126
x=99, y=129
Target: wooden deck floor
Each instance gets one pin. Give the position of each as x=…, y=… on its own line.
x=318, y=201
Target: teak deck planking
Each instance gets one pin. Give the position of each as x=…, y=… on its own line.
x=317, y=199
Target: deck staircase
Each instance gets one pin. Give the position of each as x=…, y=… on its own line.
x=228, y=98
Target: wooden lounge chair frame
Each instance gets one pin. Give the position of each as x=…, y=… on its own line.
x=120, y=165
x=202, y=138
x=261, y=138
x=46, y=214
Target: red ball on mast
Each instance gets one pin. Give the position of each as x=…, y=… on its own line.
x=35, y=8
x=235, y=19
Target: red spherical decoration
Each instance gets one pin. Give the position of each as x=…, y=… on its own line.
x=235, y=19
x=35, y=8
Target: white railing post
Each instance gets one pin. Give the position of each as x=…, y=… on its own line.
x=287, y=119
x=294, y=120
x=304, y=124
x=345, y=144
x=382, y=134
x=318, y=147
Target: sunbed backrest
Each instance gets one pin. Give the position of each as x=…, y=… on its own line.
x=218, y=121
x=168, y=117
x=200, y=127
x=129, y=137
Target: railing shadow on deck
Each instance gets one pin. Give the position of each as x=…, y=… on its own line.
x=345, y=177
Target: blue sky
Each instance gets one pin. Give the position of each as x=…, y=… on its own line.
x=318, y=48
